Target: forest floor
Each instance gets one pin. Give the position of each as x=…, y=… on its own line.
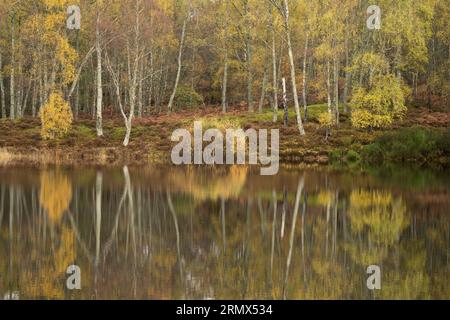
x=21, y=143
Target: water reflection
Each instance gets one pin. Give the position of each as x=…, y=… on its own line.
x=160, y=233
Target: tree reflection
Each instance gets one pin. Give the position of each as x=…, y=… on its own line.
x=224, y=235
x=55, y=194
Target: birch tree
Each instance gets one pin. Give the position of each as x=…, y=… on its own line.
x=283, y=8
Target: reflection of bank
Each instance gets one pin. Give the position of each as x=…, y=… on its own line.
x=211, y=185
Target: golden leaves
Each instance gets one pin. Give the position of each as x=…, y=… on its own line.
x=56, y=117
x=56, y=194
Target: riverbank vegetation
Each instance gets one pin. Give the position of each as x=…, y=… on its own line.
x=422, y=139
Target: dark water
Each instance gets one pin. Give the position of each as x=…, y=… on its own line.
x=167, y=233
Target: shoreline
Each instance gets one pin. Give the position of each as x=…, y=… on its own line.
x=150, y=143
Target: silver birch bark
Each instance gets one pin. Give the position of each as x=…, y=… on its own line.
x=292, y=65
x=180, y=55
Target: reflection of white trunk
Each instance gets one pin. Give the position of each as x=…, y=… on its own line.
x=291, y=239
x=177, y=231
x=274, y=200
x=2, y=202
x=224, y=236
x=335, y=222
x=328, y=221
x=98, y=215
x=11, y=234
x=283, y=216
x=303, y=238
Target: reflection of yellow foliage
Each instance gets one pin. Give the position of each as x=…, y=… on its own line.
x=325, y=198
x=413, y=282
x=363, y=199
x=383, y=215
x=214, y=187
x=378, y=217
x=56, y=194
x=48, y=280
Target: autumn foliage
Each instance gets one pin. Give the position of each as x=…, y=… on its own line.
x=56, y=117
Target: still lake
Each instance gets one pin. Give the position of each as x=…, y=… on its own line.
x=202, y=233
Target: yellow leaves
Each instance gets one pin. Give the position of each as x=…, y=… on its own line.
x=56, y=194
x=56, y=117
x=57, y=4
x=379, y=106
x=325, y=119
x=46, y=31
x=66, y=55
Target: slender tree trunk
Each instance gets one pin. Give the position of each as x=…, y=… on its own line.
x=285, y=104
x=150, y=86
x=99, y=105
x=305, y=105
x=263, y=92
x=33, y=101
x=274, y=73
x=336, y=88
x=328, y=87
x=140, y=97
x=347, y=74
x=11, y=87
x=2, y=89
x=292, y=65
x=225, y=84
x=180, y=55
x=225, y=67
x=249, y=58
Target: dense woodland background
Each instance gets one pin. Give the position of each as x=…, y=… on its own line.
x=134, y=58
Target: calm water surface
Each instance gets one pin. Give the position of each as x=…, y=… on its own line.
x=173, y=233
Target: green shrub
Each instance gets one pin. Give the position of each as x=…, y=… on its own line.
x=408, y=145
x=187, y=97
x=335, y=156
x=353, y=156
